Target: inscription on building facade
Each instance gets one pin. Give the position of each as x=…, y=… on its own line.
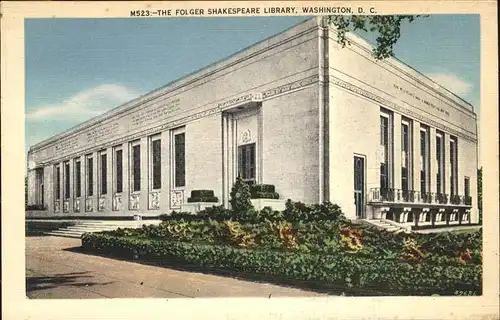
x=151, y=115
x=101, y=133
x=418, y=98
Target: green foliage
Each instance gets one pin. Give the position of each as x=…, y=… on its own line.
x=298, y=211
x=262, y=188
x=240, y=197
x=202, y=193
x=387, y=29
x=202, y=199
x=263, y=191
x=343, y=269
x=265, y=195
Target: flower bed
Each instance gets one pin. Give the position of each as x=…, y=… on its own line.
x=342, y=269
x=306, y=243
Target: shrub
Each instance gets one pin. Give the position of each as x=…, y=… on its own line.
x=347, y=270
x=33, y=207
x=240, y=198
x=263, y=191
x=262, y=188
x=202, y=193
x=265, y=195
x=202, y=196
x=298, y=211
x=215, y=212
x=202, y=199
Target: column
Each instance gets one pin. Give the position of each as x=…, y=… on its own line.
x=396, y=138
x=165, y=172
x=144, y=197
x=432, y=160
x=416, y=157
x=126, y=178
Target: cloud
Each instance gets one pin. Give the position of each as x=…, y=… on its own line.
x=85, y=104
x=452, y=83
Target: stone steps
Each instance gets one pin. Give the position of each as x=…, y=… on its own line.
x=382, y=224
x=81, y=227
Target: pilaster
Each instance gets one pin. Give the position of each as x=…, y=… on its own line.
x=48, y=173
x=416, y=156
x=432, y=160
x=31, y=187
x=71, y=185
x=165, y=173
x=447, y=165
x=126, y=163
x=95, y=177
x=143, y=202
x=108, y=206
x=396, y=138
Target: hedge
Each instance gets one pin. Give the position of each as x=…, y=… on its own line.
x=262, y=188
x=202, y=193
x=348, y=270
x=265, y=195
x=202, y=199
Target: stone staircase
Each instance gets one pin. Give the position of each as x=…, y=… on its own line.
x=81, y=227
x=388, y=225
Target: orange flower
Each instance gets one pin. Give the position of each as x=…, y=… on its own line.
x=465, y=256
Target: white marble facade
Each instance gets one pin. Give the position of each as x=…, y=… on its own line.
x=301, y=109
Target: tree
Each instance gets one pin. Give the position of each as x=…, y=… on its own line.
x=240, y=198
x=387, y=28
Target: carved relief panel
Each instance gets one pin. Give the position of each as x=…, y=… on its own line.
x=134, y=201
x=176, y=199
x=89, y=205
x=117, y=202
x=76, y=205
x=154, y=200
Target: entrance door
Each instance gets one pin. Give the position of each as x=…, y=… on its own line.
x=359, y=186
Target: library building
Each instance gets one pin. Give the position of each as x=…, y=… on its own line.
x=317, y=121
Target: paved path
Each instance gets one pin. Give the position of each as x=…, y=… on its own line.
x=52, y=272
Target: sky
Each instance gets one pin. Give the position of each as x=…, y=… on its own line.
x=79, y=68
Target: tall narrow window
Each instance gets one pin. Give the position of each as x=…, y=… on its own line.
x=90, y=177
x=155, y=165
x=180, y=161
x=439, y=163
x=467, y=197
x=78, y=179
x=246, y=162
x=66, y=180
x=384, y=147
x=136, y=168
x=58, y=183
x=104, y=174
x=424, y=160
x=119, y=171
x=453, y=166
x=405, y=156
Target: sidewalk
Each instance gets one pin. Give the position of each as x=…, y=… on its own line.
x=53, y=272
